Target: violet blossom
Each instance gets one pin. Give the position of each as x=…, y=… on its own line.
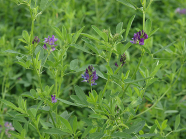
x=36, y=39
x=90, y=76
x=51, y=41
x=180, y=11
x=122, y=60
x=53, y=98
x=139, y=38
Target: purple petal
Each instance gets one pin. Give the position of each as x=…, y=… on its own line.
x=44, y=46
x=141, y=42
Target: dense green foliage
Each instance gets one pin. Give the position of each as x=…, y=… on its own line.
x=144, y=98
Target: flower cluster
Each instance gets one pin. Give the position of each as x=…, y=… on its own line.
x=139, y=38
x=53, y=98
x=51, y=41
x=36, y=40
x=180, y=11
x=8, y=126
x=90, y=76
x=122, y=60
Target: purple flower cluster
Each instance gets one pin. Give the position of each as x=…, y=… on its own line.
x=180, y=11
x=8, y=126
x=51, y=41
x=53, y=98
x=90, y=76
x=122, y=60
x=36, y=39
x=139, y=38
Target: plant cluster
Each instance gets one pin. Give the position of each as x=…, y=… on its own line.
x=102, y=86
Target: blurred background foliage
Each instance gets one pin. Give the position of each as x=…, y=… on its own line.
x=74, y=14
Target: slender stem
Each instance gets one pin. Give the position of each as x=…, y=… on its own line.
x=161, y=96
x=144, y=8
x=103, y=92
x=134, y=71
x=52, y=119
x=56, y=83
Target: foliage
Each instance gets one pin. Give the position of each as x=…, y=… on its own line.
x=69, y=69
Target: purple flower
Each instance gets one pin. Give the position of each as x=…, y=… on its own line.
x=51, y=41
x=54, y=100
x=90, y=76
x=180, y=11
x=123, y=59
x=116, y=64
x=139, y=38
x=36, y=39
x=8, y=127
x=44, y=46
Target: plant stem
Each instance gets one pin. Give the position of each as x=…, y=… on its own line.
x=52, y=119
x=144, y=8
x=134, y=71
x=103, y=92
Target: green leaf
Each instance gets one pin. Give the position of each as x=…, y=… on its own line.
x=157, y=123
x=86, y=131
x=91, y=45
x=58, y=32
x=147, y=135
x=11, y=105
x=26, y=36
x=148, y=25
x=90, y=36
x=67, y=102
x=74, y=64
x=66, y=123
x=52, y=131
x=96, y=135
x=125, y=47
x=121, y=135
x=164, y=48
x=80, y=48
x=98, y=116
x=177, y=122
x=77, y=100
x=119, y=27
x=129, y=26
x=156, y=69
x=136, y=128
x=171, y=111
x=109, y=69
x=154, y=31
x=76, y=35
x=133, y=81
x=136, y=102
x=164, y=124
x=75, y=125
x=152, y=129
x=81, y=95
x=125, y=2
x=100, y=33
x=20, y=117
x=14, y=52
x=17, y=126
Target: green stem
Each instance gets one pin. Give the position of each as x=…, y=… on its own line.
x=52, y=119
x=161, y=96
x=56, y=83
x=103, y=92
x=144, y=8
x=134, y=72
